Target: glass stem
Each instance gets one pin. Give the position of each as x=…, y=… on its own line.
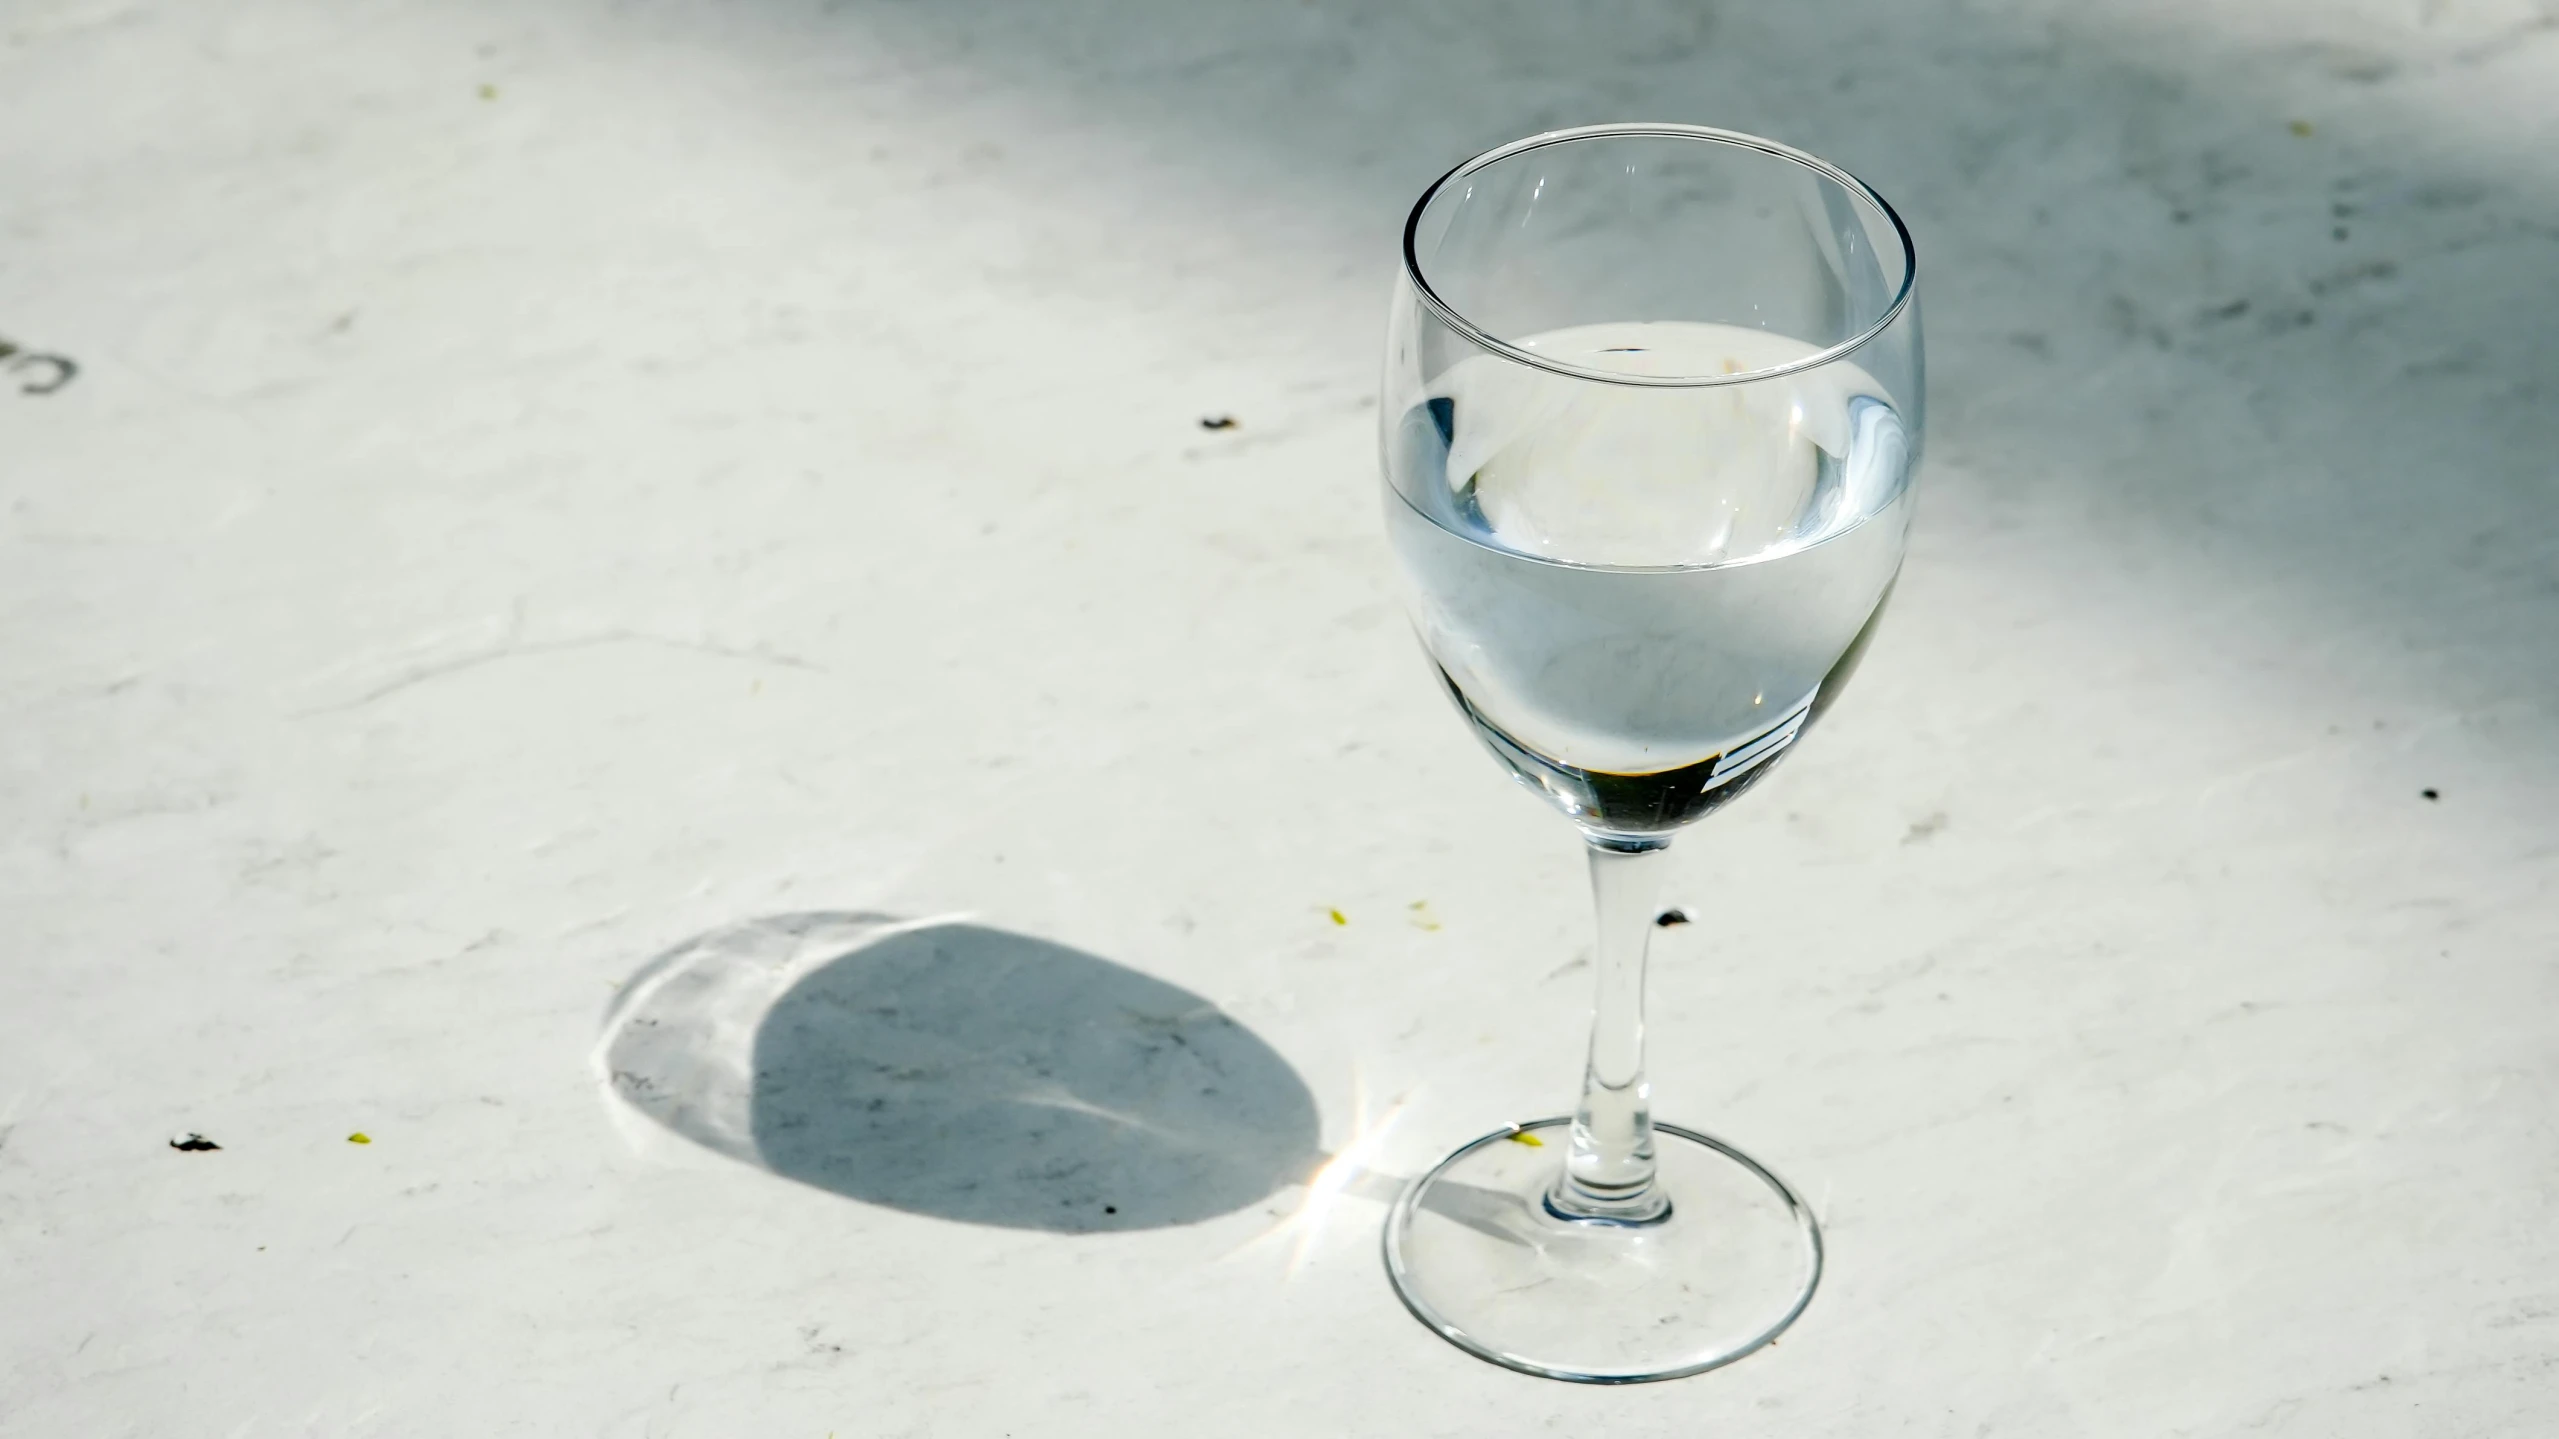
x=1608, y=1176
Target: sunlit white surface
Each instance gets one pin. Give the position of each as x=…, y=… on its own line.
x=545, y=481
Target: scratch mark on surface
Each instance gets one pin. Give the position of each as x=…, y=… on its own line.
x=63, y=373
x=461, y=664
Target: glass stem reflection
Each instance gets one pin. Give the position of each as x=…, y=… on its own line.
x=1608, y=1176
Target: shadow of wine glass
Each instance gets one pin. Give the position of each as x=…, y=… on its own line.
x=951, y=1069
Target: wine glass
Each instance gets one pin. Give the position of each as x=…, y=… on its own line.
x=1652, y=407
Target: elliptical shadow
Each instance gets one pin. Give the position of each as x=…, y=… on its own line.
x=956, y=1070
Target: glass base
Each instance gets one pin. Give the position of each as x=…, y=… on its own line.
x=1477, y=1254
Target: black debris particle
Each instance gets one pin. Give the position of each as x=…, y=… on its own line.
x=1670, y=917
x=2429, y=794
x=1218, y=422
x=1110, y=1209
x=193, y=1143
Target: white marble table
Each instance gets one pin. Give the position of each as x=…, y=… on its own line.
x=545, y=482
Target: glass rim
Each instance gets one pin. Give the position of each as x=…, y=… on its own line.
x=1668, y=131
